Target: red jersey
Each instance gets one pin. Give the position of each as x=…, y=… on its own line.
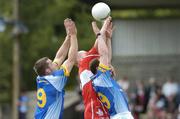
x=94, y=109
x=85, y=62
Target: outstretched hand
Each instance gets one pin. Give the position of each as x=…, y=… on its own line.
x=107, y=28
x=70, y=27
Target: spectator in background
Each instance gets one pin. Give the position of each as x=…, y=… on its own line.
x=178, y=103
x=139, y=99
x=170, y=88
x=157, y=105
x=80, y=106
x=178, y=112
x=150, y=91
x=23, y=105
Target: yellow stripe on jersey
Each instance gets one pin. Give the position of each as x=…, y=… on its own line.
x=66, y=72
x=103, y=67
x=56, y=62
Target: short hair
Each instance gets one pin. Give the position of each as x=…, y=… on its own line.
x=40, y=66
x=93, y=66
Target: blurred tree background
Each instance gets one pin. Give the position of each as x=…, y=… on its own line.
x=44, y=20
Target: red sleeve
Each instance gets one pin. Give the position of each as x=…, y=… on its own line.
x=93, y=50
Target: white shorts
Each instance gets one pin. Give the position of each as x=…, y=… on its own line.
x=124, y=115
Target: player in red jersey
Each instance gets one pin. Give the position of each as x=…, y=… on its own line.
x=94, y=109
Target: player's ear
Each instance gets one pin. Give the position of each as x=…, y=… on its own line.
x=47, y=71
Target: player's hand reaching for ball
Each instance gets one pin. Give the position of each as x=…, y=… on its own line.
x=105, y=26
x=108, y=29
x=70, y=27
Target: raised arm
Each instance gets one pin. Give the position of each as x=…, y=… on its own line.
x=62, y=52
x=96, y=32
x=72, y=31
x=109, y=32
x=108, y=39
x=109, y=45
x=102, y=45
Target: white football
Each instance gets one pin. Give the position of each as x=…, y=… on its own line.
x=100, y=11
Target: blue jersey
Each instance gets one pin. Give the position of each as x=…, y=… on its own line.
x=110, y=93
x=50, y=95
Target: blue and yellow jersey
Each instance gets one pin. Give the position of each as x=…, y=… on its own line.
x=50, y=95
x=109, y=92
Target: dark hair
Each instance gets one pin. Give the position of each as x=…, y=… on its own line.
x=40, y=66
x=93, y=66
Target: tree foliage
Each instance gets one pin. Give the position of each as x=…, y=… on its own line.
x=44, y=19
